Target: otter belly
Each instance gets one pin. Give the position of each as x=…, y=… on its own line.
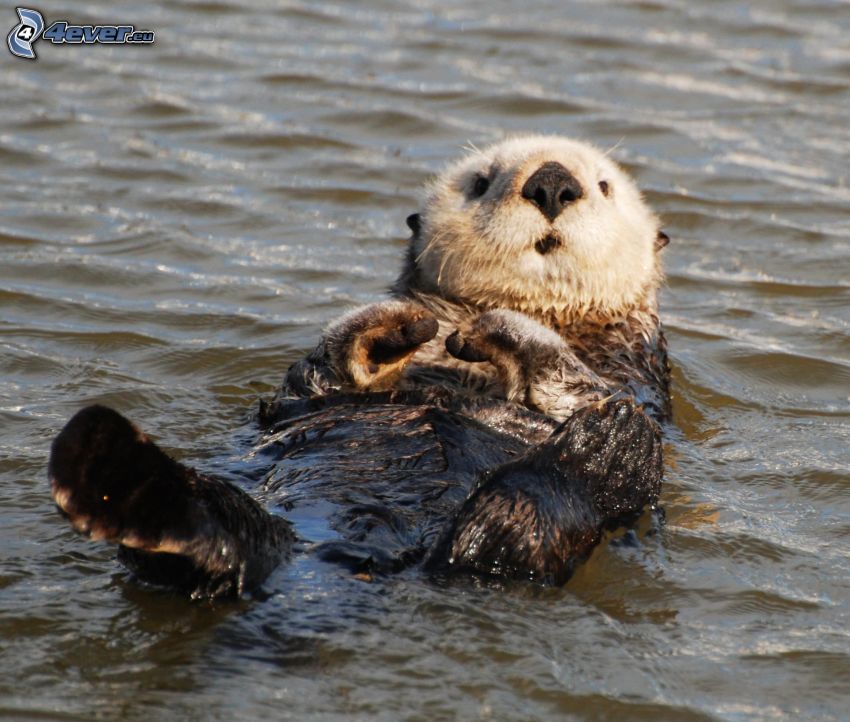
x=371, y=484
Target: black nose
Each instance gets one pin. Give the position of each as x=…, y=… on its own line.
x=551, y=188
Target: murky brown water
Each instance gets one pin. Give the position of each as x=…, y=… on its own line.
x=178, y=221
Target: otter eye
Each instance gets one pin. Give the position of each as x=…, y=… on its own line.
x=604, y=187
x=480, y=187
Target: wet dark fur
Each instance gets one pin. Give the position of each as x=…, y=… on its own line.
x=436, y=474
x=391, y=471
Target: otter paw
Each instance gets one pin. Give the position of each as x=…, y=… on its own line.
x=114, y=484
x=518, y=346
x=502, y=337
x=374, y=344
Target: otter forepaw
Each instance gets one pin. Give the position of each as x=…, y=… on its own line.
x=492, y=335
x=515, y=344
x=373, y=345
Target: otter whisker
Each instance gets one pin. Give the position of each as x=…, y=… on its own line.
x=613, y=147
x=471, y=147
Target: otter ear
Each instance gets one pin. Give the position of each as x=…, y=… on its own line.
x=414, y=223
x=661, y=240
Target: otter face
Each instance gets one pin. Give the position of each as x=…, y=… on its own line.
x=540, y=224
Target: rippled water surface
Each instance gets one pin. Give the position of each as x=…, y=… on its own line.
x=177, y=223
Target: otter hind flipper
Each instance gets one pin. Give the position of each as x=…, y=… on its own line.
x=176, y=527
x=536, y=517
x=112, y=483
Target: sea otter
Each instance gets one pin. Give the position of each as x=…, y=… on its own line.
x=494, y=415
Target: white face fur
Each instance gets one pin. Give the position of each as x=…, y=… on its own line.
x=482, y=242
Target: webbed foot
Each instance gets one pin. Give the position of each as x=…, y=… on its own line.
x=175, y=527
x=537, y=516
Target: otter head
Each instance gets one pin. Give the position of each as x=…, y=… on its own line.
x=540, y=224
